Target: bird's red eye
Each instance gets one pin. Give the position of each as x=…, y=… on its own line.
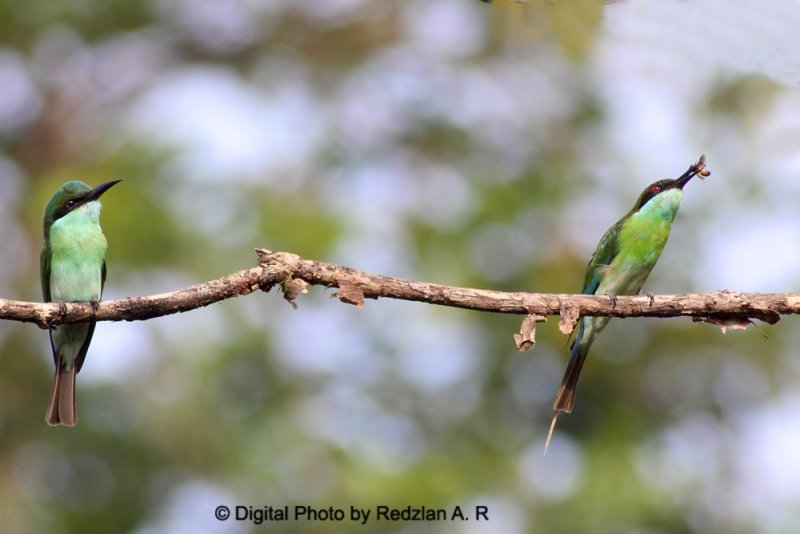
x=70, y=203
x=655, y=188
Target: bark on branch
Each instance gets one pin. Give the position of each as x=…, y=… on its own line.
x=293, y=273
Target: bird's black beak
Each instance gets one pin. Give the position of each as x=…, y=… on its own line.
x=694, y=170
x=95, y=193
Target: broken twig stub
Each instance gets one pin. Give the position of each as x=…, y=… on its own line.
x=526, y=338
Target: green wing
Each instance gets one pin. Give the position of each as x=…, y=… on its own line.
x=607, y=250
x=85, y=347
x=44, y=272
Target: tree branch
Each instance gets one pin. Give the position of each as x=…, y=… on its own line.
x=294, y=273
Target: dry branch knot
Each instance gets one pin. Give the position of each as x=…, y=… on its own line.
x=725, y=323
x=292, y=288
x=569, y=317
x=350, y=293
x=283, y=265
x=526, y=338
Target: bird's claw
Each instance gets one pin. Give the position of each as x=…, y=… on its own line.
x=50, y=319
x=613, y=298
x=95, y=304
x=652, y=299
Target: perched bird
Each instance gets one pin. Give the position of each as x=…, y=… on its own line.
x=621, y=264
x=73, y=269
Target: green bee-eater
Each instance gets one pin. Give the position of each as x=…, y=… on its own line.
x=627, y=253
x=73, y=269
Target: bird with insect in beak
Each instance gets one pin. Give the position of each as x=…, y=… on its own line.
x=626, y=254
x=73, y=269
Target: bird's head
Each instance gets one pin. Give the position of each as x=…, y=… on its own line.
x=661, y=186
x=70, y=197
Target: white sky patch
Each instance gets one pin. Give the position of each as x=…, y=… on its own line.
x=325, y=338
x=437, y=352
x=499, y=252
x=588, y=214
x=226, y=128
x=444, y=198
x=556, y=476
x=352, y=420
x=20, y=103
x=119, y=350
x=16, y=245
x=534, y=380
x=333, y=12
x=658, y=59
x=190, y=508
x=447, y=28
x=509, y=99
x=750, y=251
x=375, y=196
x=777, y=143
x=687, y=43
x=683, y=456
x=389, y=190
x=385, y=98
x=220, y=25
x=767, y=463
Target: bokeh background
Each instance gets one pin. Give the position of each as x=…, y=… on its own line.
x=471, y=144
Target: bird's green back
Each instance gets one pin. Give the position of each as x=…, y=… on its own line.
x=629, y=249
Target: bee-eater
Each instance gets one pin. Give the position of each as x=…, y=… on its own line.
x=627, y=253
x=73, y=269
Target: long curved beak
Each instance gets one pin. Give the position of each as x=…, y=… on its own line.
x=694, y=170
x=95, y=193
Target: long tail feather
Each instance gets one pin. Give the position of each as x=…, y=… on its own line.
x=565, y=398
x=550, y=432
x=62, y=409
